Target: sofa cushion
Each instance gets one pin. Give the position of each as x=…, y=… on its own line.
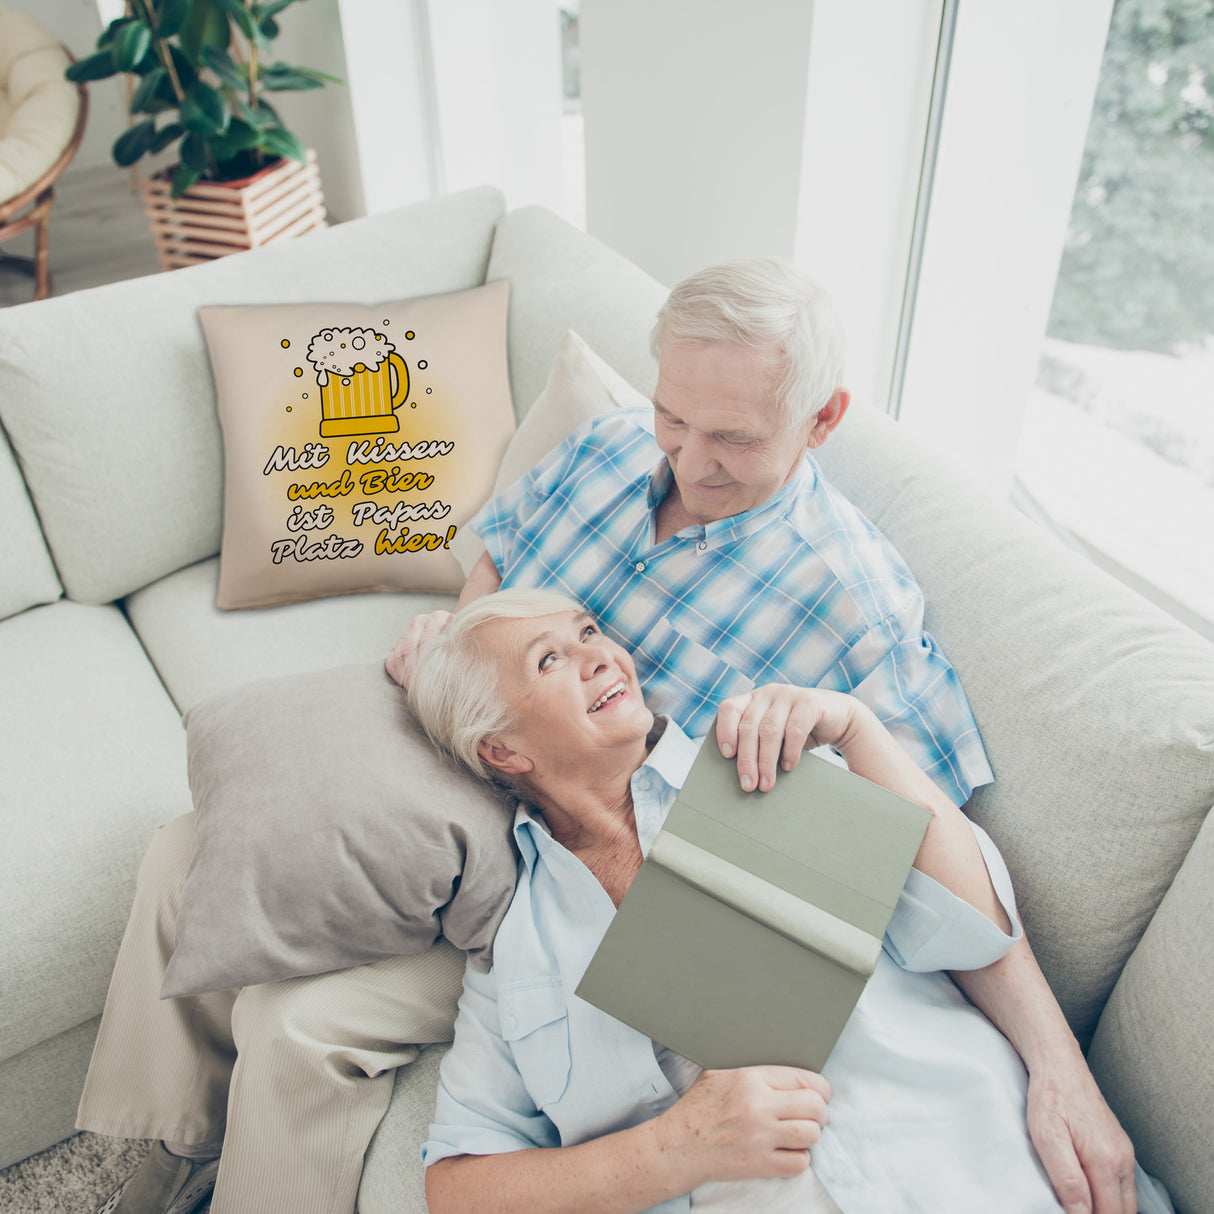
x=580, y=386
x=199, y=650
x=1152, y=1054
x=136, y=493
x=329, y=832
x=39, y=1093
x=93, y=760
x=393, y=1179
x=562, y=279
x=365, y=433
x=27, y=574
x=1097, y=711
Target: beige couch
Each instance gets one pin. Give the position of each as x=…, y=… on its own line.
x=1097, y=711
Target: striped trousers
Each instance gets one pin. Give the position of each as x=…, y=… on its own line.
x=293, y=1076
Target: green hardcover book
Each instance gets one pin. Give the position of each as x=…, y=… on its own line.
x=757, y=918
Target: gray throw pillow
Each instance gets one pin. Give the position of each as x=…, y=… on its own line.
x=330, y=833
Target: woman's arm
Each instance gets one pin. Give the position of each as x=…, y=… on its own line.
x=730, y=1125
x=769, y=727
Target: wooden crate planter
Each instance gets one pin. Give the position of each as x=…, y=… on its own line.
x=215, y=218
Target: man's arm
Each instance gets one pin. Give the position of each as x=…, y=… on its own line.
x=484, y=579
x=1087, y=1155
x=769, y=727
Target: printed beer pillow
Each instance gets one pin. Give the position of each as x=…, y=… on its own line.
x=357, y=441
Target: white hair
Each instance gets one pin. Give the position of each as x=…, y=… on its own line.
x=763, y=303
x=454, y=691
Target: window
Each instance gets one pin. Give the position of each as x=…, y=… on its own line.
x=1117, y=444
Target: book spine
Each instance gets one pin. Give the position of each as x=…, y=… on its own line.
x=802, y=922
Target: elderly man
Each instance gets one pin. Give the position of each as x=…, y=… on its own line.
x=704, y=538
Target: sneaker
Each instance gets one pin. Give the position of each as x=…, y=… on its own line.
x=164, y=1184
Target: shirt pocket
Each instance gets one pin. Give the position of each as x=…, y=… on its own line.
x=535, y=1024
x=681, y=670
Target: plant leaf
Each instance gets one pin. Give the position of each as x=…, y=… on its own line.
x=183, y=178
x=241, y=136
x=237, y=12
x=271, y=9
x=95, y=67
x=194, y=153
x=130, y=45
x=187, y=73
x=262, y=118
x=145, y=95
x=166, y=135
x=171, y=16
x=132, y=144
x=269, y=30
x=225, y=67
x=205, y=26
x=280, y=77
x=281, y=142
x=107, y=35
x=319, y=75
x=203, y=111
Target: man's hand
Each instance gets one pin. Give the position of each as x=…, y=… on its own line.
x=1087, y=1155
x=749, y=1122
x=401, y=660
x=770, y=727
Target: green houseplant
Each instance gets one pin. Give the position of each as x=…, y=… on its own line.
x=201, y=72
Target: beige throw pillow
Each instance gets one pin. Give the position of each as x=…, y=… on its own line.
x=580, y=386
x=357, y=441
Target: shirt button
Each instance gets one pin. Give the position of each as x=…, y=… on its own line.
x=639, y=566
x=702, y=545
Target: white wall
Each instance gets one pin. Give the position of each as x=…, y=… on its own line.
x=497, y=69
x=694, y=128
x=870, y=81
x=777, y=128
x=386, y=73
x=323, y=118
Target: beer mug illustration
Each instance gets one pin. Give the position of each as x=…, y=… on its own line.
x=362, y=381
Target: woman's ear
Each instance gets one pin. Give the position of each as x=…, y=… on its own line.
x=496, y=754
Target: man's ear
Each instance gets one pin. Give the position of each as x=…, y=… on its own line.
x=829, y=416
x=494, y=753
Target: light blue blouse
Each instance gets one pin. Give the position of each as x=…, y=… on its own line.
x=928, y=1104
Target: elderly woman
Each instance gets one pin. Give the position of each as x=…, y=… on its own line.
x=547, y=1103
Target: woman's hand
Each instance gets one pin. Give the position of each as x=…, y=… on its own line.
x=772, y=725
x=402, y=659
x=751, y=1122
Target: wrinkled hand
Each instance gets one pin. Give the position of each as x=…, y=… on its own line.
x=772, y=725
x=401, y=660
x=1087, y=1155
x=750, y=1122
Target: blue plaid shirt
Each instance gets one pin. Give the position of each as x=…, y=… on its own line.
x=802, y=589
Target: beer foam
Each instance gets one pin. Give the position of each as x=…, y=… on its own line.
x=339, y=351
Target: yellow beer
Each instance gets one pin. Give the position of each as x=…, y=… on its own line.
x=362, y=381
x=364, y=401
